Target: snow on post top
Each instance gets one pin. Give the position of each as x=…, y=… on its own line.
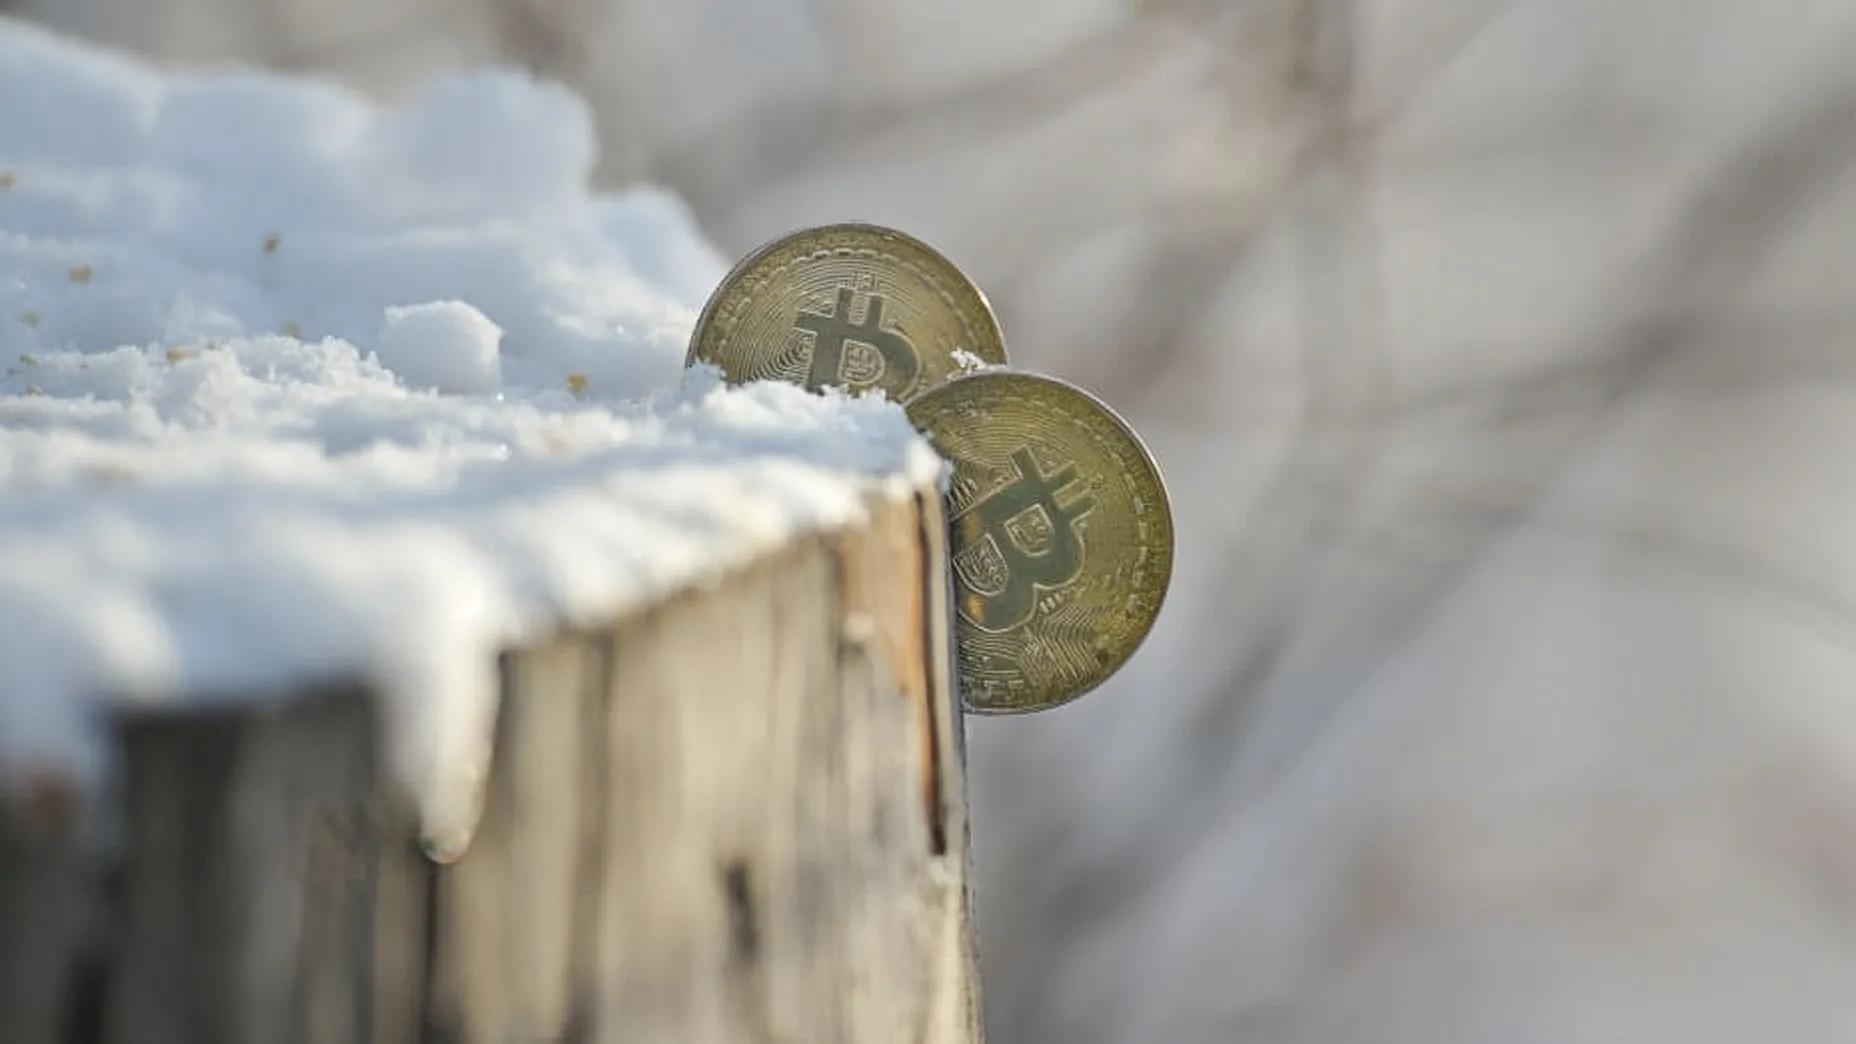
x=294, y=388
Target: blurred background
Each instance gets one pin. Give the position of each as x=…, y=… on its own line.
x=1499, y=353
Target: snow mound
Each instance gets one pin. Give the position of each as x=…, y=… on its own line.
x=297, y=389
x=446, y=345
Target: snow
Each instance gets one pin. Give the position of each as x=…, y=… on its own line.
x=298, y=389
x=970, y=363
x=446, y=345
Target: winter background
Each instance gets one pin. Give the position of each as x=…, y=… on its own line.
x=1499, y=356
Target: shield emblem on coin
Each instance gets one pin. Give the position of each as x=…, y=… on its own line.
x=981, y=567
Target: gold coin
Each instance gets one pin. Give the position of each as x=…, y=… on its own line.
x=1060, y=534
x=853, y=306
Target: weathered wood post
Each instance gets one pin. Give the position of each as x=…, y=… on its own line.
x=734, y=815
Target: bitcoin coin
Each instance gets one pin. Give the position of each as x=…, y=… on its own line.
x=1060, y=535
x=852, y=306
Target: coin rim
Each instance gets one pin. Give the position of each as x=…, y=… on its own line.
x=754, y=256
x=1166, y=505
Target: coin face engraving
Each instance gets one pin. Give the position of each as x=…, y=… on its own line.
x=833, y=334
x=1025, y=538
x=854, y=306
x=1060, y=536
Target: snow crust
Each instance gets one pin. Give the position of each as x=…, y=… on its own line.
x=297, y=389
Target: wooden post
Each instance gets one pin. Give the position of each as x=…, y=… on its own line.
x=46, y=895
x=735, y=815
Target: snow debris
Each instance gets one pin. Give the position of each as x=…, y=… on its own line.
x=970, y=363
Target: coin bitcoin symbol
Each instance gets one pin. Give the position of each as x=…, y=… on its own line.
x=1017, y=540
x=1060, y=536
x=846, y=305
x=833, y=333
